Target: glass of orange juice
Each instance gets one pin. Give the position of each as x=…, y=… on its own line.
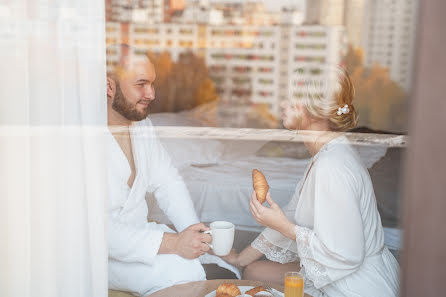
x=294, y=284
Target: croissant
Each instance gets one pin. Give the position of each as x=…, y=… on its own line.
x=255, y=290
x=224, y=295
x=260, y=185
x=229, y=289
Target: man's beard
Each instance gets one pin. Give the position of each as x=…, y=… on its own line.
x=124, y=108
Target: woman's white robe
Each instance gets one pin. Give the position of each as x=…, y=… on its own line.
x=133, y=242
x=339, y=236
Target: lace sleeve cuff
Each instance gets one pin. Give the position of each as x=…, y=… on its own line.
x=312, y=269
x=273, y=252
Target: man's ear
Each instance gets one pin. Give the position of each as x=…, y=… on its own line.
x=111, y=88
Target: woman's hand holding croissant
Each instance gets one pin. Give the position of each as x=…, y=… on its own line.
x=271, y=217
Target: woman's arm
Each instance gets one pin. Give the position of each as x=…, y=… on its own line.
x=244, y=258
x=272, y=217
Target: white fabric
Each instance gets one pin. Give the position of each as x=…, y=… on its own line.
x=185, y=152
x=339, y=236
x=211, y=259
x=53, y=186
x=134, y=263
x=221, y=191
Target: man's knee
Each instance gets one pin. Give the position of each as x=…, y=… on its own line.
x=170, y=270
x=182, y=270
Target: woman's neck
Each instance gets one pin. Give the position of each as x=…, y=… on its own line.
x=319, y=135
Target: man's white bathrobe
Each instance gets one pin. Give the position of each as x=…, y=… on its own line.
x=134, y=263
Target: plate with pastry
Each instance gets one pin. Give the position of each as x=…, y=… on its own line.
x=232, y=290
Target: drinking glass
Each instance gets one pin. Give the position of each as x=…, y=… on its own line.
x=294, y=284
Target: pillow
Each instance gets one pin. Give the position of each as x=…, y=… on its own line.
x=297, y=150
x=173, y=119
x=186, y=151
x=283, y=149
x=239, y=148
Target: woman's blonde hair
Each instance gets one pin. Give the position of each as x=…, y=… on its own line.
x=323, y=95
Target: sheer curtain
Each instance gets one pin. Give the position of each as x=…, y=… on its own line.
x=52, y=160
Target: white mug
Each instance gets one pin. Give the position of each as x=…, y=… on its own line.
x=222, y=237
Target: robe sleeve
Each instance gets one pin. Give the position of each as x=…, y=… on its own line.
x=273, y=244
x=169, y=188
x=335, y=247
x=134, y=243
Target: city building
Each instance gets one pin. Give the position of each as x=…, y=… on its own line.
x=353, y=21
x=113, y=36
x=174, y=38
x=325, y=12
x=244, y=63
x=389, y=37
x=171, y=7
x=250, y=64
x=305, y=51
x=135, y=11
x=200, y=12
x=291, y=16
x=255, y=13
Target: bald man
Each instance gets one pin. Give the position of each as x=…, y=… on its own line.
x=145, y=257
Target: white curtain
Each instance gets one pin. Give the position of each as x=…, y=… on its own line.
x=52, y=161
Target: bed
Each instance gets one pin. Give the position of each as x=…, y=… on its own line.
x=218, y=174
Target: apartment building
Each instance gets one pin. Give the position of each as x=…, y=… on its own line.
x=175, y=38
x=171, y=7
x=389, y=37
x=113, y=36
x=325, y=12
x=353, y=21
x=248, y=64
x=244, y=63
x=135, y=11
x=305, y=50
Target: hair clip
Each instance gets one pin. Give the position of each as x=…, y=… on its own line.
x=343, y=110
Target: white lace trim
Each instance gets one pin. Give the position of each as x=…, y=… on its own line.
x=308, y=283
x=273, y=252
x=313, y=271
x=303, y=236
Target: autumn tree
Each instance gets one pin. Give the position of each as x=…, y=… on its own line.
x=380, y=102
x=181, y=85
x=163, y=66
x=259, y=116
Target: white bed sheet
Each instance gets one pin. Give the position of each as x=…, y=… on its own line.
x=222, y=192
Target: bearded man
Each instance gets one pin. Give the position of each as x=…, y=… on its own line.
x=145, y=256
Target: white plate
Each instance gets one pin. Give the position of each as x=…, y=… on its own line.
x=243, y=289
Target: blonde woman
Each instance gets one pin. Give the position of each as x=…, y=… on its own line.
x=331, y=229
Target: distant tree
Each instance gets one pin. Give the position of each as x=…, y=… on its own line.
x=380, y=102
x=163, y=66
x=181, y=85
x=206, y=92
x=259, y=116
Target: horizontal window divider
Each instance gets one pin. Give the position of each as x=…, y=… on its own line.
x=370, y=139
